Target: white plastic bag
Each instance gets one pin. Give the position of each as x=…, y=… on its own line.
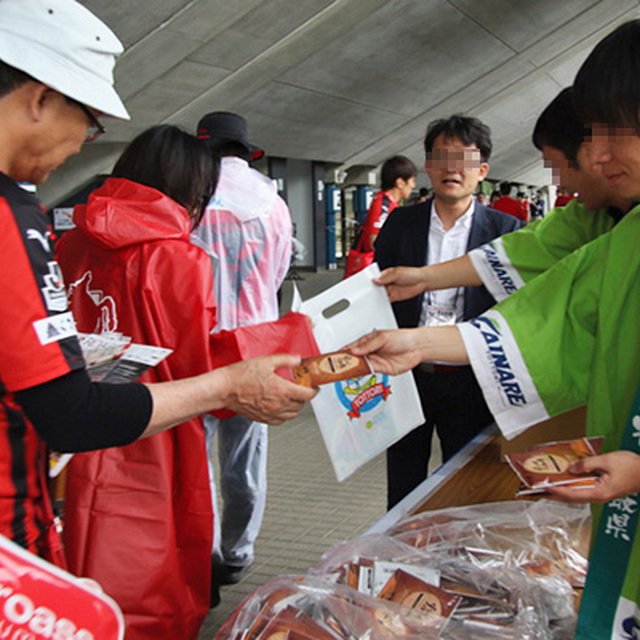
x=362, y=417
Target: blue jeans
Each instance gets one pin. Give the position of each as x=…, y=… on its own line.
x=242, y=457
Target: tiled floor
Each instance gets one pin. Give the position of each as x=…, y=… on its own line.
x=308, y=511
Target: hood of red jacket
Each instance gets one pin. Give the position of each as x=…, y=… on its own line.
x=122, y=213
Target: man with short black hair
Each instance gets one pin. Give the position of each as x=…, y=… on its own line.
x=507, y=263
x=507, y=204
x=457, y=152
x=397, y=181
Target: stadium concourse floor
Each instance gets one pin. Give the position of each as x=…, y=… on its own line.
x=308, y=511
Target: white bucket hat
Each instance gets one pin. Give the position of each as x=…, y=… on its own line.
x=63, y=45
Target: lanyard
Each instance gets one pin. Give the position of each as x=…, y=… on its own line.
x=432, y=303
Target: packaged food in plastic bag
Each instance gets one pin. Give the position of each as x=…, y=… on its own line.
x=314, y=608
x=492, y=599
x=543, y=537
x=491, y=571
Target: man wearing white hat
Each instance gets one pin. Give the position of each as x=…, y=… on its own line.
x=56, y=80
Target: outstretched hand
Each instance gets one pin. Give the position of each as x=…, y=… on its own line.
x=261, y=394
x=402, y=283
x=618, y=476
x=390, y=351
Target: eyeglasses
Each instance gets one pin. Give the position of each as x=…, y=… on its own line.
x=95, y=127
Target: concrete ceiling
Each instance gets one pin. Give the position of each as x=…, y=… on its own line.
x=347, y=82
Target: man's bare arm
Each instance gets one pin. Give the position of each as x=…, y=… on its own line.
x=251, y=388
x=403, y=283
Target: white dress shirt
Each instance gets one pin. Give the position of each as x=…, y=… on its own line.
x=446, y=245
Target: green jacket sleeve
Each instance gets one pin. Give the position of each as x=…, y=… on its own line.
x=532, y=353
x=508, y=263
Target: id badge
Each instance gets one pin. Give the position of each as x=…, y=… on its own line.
x=440, y=316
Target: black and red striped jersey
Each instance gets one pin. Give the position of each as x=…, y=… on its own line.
x=38, y=343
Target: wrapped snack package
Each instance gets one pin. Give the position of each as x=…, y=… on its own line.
x=410, y=591
x=547, y=465
x=296, y=608
x=291, y=624
x=491, y=602
x=330, y=367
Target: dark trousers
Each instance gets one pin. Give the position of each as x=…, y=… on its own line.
x=452, y=403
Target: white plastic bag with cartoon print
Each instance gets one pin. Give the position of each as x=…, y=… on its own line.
x=362, y=417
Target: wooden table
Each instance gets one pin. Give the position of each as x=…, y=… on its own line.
x=477, y=473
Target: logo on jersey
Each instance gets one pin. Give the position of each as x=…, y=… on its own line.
x=499, y=270
x=98, y=310
x=631, y=629
x=55, y=296
x=503, y=371
x=55, y=328
x=42, y=238
x=360, y=395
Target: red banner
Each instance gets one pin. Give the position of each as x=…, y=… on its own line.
x=39, y=600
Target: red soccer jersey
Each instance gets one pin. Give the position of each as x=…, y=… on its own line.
x=38, y=345
x=510, y=205
x=563, y=201
x=383, y=204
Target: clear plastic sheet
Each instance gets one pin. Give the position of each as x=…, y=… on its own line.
x=315, y=608
x=543, y=537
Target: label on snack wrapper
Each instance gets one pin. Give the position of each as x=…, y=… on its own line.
x=330, y=367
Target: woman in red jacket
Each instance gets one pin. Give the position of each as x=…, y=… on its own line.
x=138, y=519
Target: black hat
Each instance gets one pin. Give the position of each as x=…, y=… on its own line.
x=224, y=126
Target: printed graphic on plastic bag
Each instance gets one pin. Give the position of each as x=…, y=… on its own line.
x=362, y=417
x=39, y=600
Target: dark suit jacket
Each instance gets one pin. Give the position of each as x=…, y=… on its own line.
x=403, y=241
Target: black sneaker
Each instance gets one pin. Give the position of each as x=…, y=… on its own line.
x=233, y=575
x=216, y=571
x=214, y=597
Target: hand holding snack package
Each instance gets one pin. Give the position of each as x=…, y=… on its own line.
x=363, y=415
x=289, y=334
x=548, y=465
x=331, y=367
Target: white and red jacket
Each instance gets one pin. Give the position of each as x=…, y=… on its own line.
x=246, y=230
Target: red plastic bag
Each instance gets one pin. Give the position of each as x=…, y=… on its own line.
x=290, y=334
x=357, y=259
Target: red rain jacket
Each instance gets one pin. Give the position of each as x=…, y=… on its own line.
x=138, y=519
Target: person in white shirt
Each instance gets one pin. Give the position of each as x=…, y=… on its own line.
x=246, y=230
x=442, y=228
